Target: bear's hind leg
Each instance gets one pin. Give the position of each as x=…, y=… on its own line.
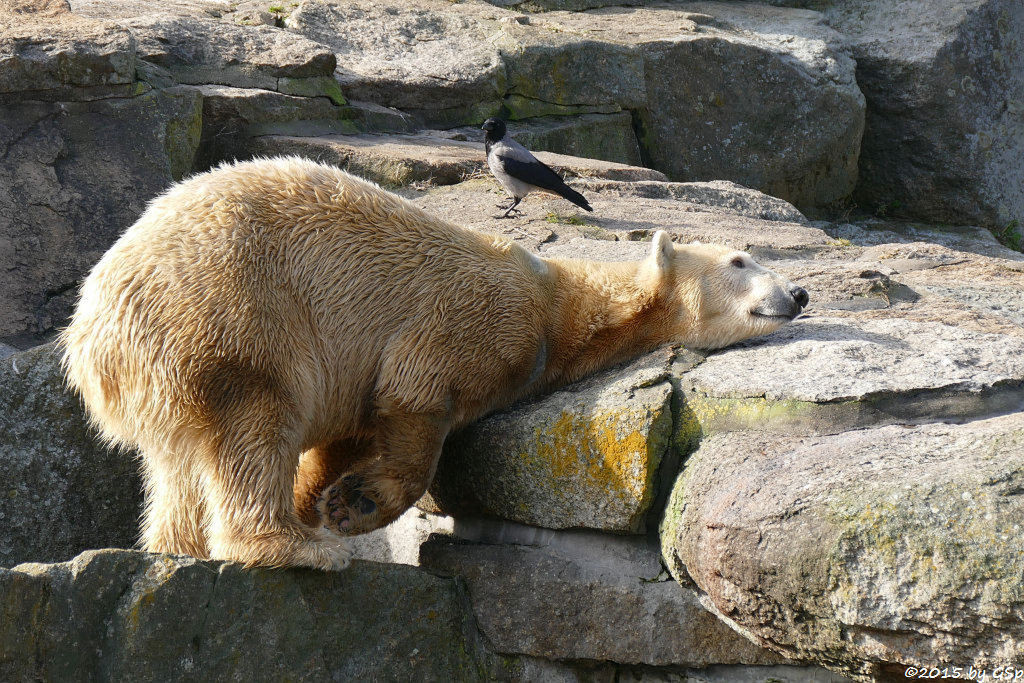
x=174, y=517
x=249, y=475
x=375, y=491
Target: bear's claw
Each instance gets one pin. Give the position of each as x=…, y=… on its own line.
x=345, y=503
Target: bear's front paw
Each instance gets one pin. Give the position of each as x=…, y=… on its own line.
x=344, y=507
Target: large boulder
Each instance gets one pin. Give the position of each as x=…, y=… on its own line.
x=586, y=456
x=52, y=54
x=762, y=96
x=567, y=596
x=427, y=57
x=867, y=551
x=690, y=75
x=205, y=51
x=944, y=83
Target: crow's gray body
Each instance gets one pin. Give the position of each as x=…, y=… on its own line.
x=519, y=172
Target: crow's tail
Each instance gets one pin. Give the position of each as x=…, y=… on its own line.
x=574, y=197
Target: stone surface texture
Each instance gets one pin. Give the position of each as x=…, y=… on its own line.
x=434, y=159
x=693, y=74
x=62, y=491
x=122, y=615
x=867, y=551
x=944, y=83
x=708, y=66
x=586, y=456
x=74, y=176
x=585, y=602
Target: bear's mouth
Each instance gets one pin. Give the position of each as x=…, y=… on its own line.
x=773, y=316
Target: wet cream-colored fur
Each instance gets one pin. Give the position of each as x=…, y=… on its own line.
x=288, y=346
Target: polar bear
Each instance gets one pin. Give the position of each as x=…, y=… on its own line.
x=288, y=346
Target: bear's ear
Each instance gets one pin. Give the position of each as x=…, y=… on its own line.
x=662, y=250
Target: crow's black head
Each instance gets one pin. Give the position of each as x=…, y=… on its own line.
x=495, y=129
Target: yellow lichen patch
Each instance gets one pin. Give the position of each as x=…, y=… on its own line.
x=606, y=452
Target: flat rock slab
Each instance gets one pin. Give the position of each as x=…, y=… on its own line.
x=63, y=491
x=624, y=214
x=205, y=51
x=831, y=374
x=723, y=195
x=549, y=603
x=584, y=456
x=866, y=551
x=56, y=56
x=122, y=615
x=404, y=159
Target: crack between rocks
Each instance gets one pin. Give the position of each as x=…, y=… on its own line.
x=559, y=104
x=27, y=132
x=200, y=637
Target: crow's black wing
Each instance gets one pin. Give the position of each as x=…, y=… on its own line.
x=538, y=174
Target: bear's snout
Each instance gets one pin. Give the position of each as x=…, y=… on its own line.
x=799, y=295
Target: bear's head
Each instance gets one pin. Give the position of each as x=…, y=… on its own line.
x=719, y=296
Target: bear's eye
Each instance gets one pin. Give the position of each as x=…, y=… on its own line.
x=738, y=262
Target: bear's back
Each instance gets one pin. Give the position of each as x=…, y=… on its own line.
x=300, y=271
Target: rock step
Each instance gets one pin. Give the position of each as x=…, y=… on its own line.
x=867, y=551
x=396, y=160
x=124, y=615
x=539, y=602
x=624, y=211
x=666, y=66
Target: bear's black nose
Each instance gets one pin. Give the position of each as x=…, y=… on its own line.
x=799, y=295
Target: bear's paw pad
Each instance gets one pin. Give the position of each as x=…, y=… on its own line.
x=344, y=507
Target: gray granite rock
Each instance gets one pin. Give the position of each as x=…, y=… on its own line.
x=205, y=51
x=693, y=75
x=396, y=160
x=58, y=55
x=128, y=616
x=552, y=604
x=62, y=490
x=761, y=96
x=585, y=456
x=430, y=56
x=866, y=551
x=75, y=175
x=722, y=216
x=821, y=375
x=944, y=83
x=722, y=195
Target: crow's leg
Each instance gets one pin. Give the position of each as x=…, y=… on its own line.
x=510, y=209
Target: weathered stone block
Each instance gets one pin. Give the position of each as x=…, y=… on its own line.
x=866, y=551
x=75, y=175
x=585, y=456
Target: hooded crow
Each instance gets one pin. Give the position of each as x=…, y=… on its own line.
x=519, y=172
